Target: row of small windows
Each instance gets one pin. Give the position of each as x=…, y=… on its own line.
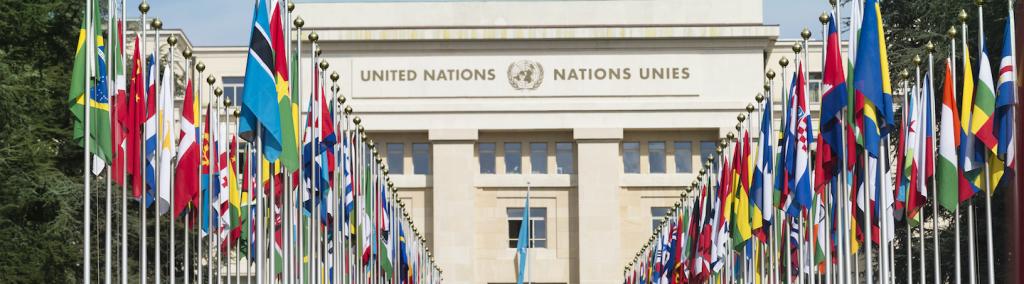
x=513, y=156
x=682, y=152
x=420, y=158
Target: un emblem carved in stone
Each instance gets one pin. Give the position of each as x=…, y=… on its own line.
x=525, y=75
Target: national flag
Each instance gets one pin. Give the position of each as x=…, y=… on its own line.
x=384, y=231
x=133, y=119
x=288, y=111
x=234, y=199
x=948, y=176
x=984, y=105
x=152, y=126
x=970, y=165
x=804, y=138
x=835, y=97
x=259, y=98
x=871, y=79
x=761, y=188
x=99, y=100
x=119, y=127
x=1005, y=109
x=186, y=174
x=165, y=126
x=741, y=201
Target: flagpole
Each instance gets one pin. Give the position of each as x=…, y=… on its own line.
x=197, y=215
x=286, y=204
x=989, y=188
x=783, y=62
x=87, y=96
x=108, y=251
x=211, y=160
x=171, y=41
x=907, y=94
x=971, y=270
x=937, y=273
x=956, y=212
x=124, y=170
x=298, y=22
x=925, y=131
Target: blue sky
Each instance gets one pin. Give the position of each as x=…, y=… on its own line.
x=227, y=22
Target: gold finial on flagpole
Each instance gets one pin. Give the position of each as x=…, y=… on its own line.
x=210, y=79
x=783, y=62
x=187, y=53
x=324, y=64
x=291, y=6
x=227, y=102
x=917, y=60
x=144, y=7
x=156, y=24
x=237, y=113
x=218, y=91
x=806, y=33
x=770, y=74
x=979, y=2
x=750, y=106
x=759, y=98
x=348, y=109
x=823, y=18
x=357, y=121
x=930, y=47
x=335, y=76
x=739, y=125
x=313, y=36
x=951, y=32
x=172, y=40
x=962, y=16
x=200, y=66
x=299, y=22
x=904, y=74
x=341, y=100
x=741, y=117
x=731, y=136
x=797, y=47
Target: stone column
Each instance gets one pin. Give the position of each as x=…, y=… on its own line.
x=598, y=243
x=453, y=203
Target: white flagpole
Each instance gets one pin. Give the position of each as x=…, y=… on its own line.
x=937, y=273
x=86, y=216
x=124, y=177
x=956, y=212
x=971, y=270
x=157, y=24
x=925, y=106
x=171, y=40
x=211, y=156
x=259, y=209
x=989, y=187
x=298, y=23
x=108, y=251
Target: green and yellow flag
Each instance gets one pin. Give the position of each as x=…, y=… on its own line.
x=99, y=103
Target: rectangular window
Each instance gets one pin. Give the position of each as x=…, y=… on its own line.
x=539, y=158
x=513, y=158
x=396, y=155
x=486, y=156
x=656, y=156
x=707, y=149
x=564, y=158
x=657, y=215
x=684, y=156
x=631, y=157
x=233, y=87
x=538, y=226
x=421, y=158
x=813, y=84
